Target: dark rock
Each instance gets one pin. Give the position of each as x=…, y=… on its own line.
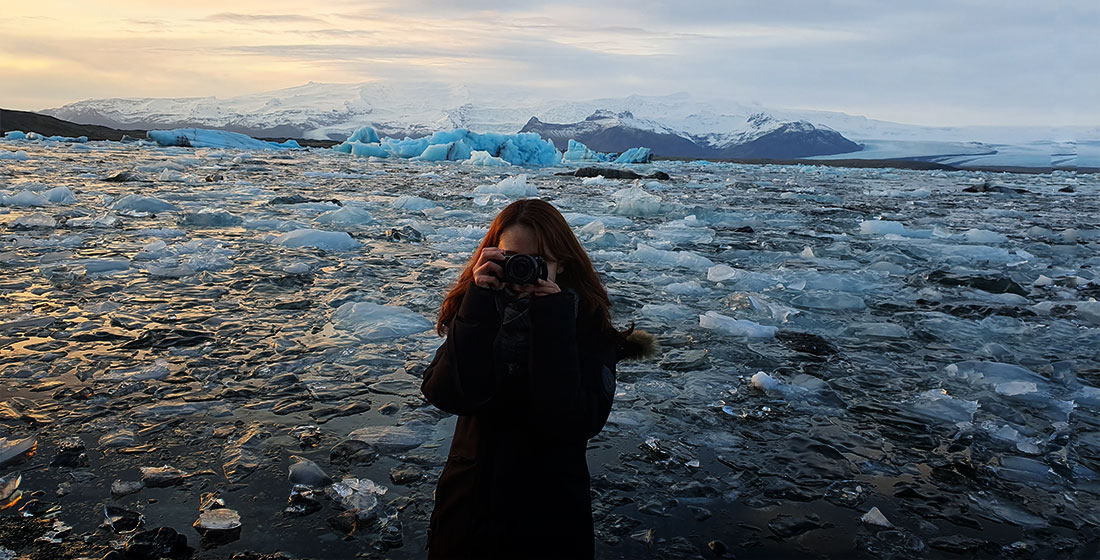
x=405, y=475
x=299, y=199
x=606, y=172
x=353, y=452
x=157, y=543
x=214, y=178
x=125, y=177
x=345, y=522
x=123, y=521
x=806, y=343
x=993, y=285
x=744, y=229
x=70, y=454
x=659, y=175
x=404, y=233
x=307, y=473
x=1067, y=189
x=718, y=547
x=287, y=406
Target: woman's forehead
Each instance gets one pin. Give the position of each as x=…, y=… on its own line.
x=518, y=238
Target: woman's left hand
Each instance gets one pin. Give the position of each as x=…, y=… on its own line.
x=543, y=288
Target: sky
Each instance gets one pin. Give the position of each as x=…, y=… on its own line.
x=936, y=62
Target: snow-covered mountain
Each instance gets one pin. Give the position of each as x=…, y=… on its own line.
x=687, y=124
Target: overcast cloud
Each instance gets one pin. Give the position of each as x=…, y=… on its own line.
x=934, y=62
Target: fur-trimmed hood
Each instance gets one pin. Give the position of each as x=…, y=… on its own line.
x=637, y=345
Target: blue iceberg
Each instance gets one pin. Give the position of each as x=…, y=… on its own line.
x=455, y=145
x=580, y=153
x=203, y=138
x=635, y=155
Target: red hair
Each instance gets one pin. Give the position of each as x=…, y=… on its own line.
x=553, y=238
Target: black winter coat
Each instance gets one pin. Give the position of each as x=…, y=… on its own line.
x=516, y=482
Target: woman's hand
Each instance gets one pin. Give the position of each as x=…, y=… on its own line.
x=486, y=270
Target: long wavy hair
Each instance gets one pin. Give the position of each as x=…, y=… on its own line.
x=553, y=237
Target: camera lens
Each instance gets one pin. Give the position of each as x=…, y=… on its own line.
x=521, y=269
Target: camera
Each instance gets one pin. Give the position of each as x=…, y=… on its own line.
x=523, y=269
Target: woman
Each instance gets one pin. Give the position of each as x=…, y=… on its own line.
x=530, y=370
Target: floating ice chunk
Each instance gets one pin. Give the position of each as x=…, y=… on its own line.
x=210, y=217
x=359, y=495
x=646, y=254
x=1089, y=311
x=635, y=201
x=737, y=327
x=991, y=373
x=829, y=301
x=689, y=288
x=327, y=240
x=888, y=228
x=9, y=155
x=880, y=330
x=764, y=382
x=936, y=404
x=890, y=268
x=634, y=155
x=297, y=268
x=875, y=517
x=481, y=158
x=808, y=253
x=412, y=203
x=723, y=272
x=1015, y=388
x=983, y=236
x=24, y=198
x=60, y=195
x=575, y=219
x=373, y=322
x=667, y=312
x=140, y=203
x=34, y=220
x=92, y=266
x=346, y=216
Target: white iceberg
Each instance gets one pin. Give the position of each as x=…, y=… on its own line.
x=140, y=203
x=346, y=216
x=24, y=198
x=203, y=138
x=649, y=255
x=635, y=201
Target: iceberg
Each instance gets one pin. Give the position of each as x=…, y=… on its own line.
x=479, y=158
x=412, y=203
x=15, y=135
x=526, y=148
x=327, y=240
x=635, y=155
x=24, y=198
x=34, y=220
x=20, y=155
x=579, y=153
x=204, y=138
x=209, y=217
x=60, y=195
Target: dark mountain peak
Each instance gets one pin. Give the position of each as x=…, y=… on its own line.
x=760, y=120
x=601, y=115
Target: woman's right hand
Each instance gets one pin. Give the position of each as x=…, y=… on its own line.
x=486, y=270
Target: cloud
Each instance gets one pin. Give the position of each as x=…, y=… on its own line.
x=230, y=17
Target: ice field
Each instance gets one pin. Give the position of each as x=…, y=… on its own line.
x=855, y=363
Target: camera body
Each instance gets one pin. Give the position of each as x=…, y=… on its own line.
x=523, y=269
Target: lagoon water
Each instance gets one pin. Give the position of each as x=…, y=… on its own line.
x=833, y=341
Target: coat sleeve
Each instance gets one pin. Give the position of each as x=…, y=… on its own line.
x=571, y=386
x=462, y=378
